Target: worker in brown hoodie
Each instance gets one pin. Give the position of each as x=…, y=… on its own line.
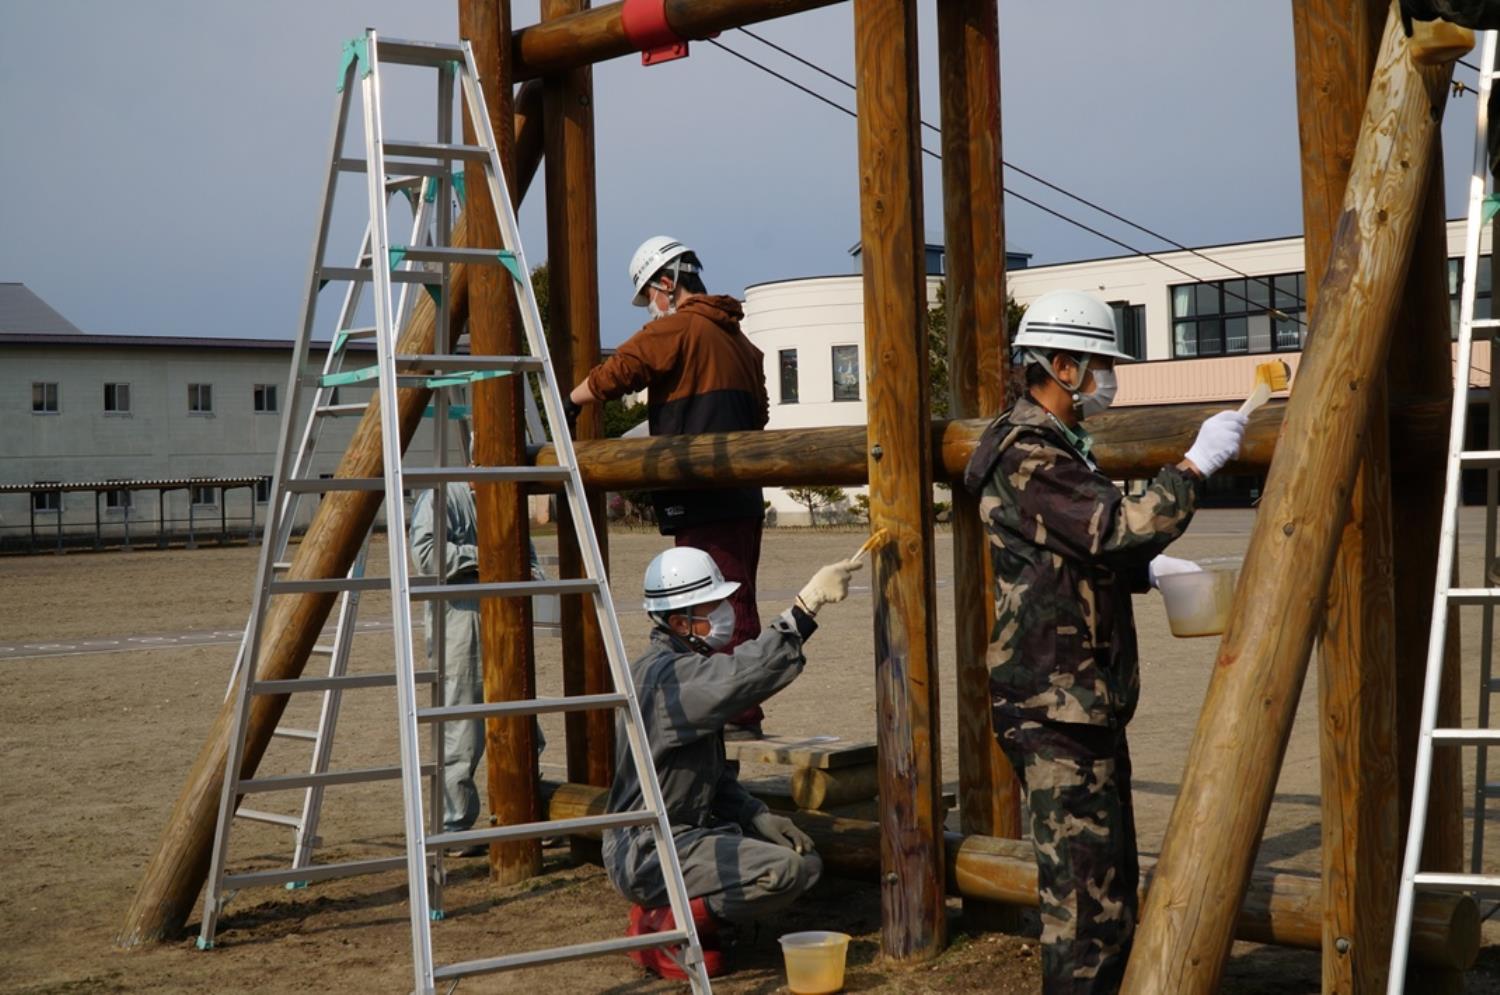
x=701, y=374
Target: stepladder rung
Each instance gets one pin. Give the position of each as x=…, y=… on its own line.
x=340, y=682
x=308, y=735
x=1479, y=884
x=556, y=955
x=322, y=650
x=536, y=830
x=1487, y=458
x=290, y=782
x=433, y=150
x=323, y=585
x=414, y=171
x=453, y=255
x=357, y=274
x=433, y=475
x=1474, y=595
x=1466, y=737
x=503, y=589
x=399, y=51
x=360, y=332
x=457, y=362
x=314, y=872
x=341, y=410
x=273, y=818
x=531, y=706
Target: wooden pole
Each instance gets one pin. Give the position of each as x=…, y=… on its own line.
x=175, y=873
x=1127, y=443
x=1280, y=908
x=913, y=924
x=1209, y=850
x=973, y=223
x=573, y=275
x=498, y=419
x=529, y=130
x=1336, y=43
x=598, y=34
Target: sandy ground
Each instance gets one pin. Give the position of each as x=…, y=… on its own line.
x=93, y=749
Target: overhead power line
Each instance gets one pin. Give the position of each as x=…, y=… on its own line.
x=1029, y=175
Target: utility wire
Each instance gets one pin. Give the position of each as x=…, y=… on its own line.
x=1275, y=312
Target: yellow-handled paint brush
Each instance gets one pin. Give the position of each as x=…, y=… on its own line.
x=1270, y=378
x=877, y=539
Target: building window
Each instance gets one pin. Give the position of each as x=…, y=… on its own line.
x=1481, y=292
x=1234, y=317
x=1130, y=324
x=117, y=398
x=265, y=397
x=117, y=500
x=204, y=497
x=200, y=398
x=46, y=500
x=263, y=490
x=44, y=399
x=846, y=373
x=788, y=361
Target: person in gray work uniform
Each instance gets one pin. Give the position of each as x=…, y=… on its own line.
x=463, y=676
x=740, y=861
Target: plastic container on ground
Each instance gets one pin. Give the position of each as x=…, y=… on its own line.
x=815, y=961
x=1198, y=603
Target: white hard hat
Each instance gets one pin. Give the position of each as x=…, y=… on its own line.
x=654, y=253
x=684, y=576
x=1072, y=321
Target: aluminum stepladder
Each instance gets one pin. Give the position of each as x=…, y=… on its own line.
x=363, y=60
x=324, y=405
x=1447, y=593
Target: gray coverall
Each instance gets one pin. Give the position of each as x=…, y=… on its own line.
x=463, y=684
x=685, y=699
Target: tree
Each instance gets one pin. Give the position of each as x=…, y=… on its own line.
x=813, y=498
x=937, y=346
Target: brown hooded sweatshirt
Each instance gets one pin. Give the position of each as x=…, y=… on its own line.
x=701, y=374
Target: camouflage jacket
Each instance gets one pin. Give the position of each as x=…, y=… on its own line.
x=1068, y=550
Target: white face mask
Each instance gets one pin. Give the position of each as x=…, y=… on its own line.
x=721, y=622
x=1102, y=397
x=657, y=312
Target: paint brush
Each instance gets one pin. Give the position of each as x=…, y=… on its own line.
x=1269, y=378
x=877, y=539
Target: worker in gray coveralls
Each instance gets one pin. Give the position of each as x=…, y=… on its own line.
x=463, y=684
x=740, y=860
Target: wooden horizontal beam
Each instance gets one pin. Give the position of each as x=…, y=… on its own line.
x=1280, y=908
x=1130, y=443
x=598, y=34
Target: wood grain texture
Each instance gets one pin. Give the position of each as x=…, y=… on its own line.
x=504, y=521
x=974, y=261
x=1336, y=43
x=598, y=35
x=177, y=868
x=913, y=923
x=573, y=272
x=1280, y=908
x=1187, y=920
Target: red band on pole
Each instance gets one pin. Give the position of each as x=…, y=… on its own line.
x=646, y=27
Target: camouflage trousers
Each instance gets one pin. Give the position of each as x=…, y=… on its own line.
x=1077, y=783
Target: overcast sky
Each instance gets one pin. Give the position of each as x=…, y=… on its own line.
x=161, y=161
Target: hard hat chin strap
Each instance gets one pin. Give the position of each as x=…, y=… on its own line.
x=1074, y=391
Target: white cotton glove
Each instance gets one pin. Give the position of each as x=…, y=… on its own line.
x=1166, y=566
x=782, y=831
x=828, y=586
x=1218, y=442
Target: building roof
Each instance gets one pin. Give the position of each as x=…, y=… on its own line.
x=23, y=311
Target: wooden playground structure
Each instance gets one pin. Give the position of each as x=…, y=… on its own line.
x=1357, y=449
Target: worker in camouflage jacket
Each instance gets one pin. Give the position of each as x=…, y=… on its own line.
x=1068, y=550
